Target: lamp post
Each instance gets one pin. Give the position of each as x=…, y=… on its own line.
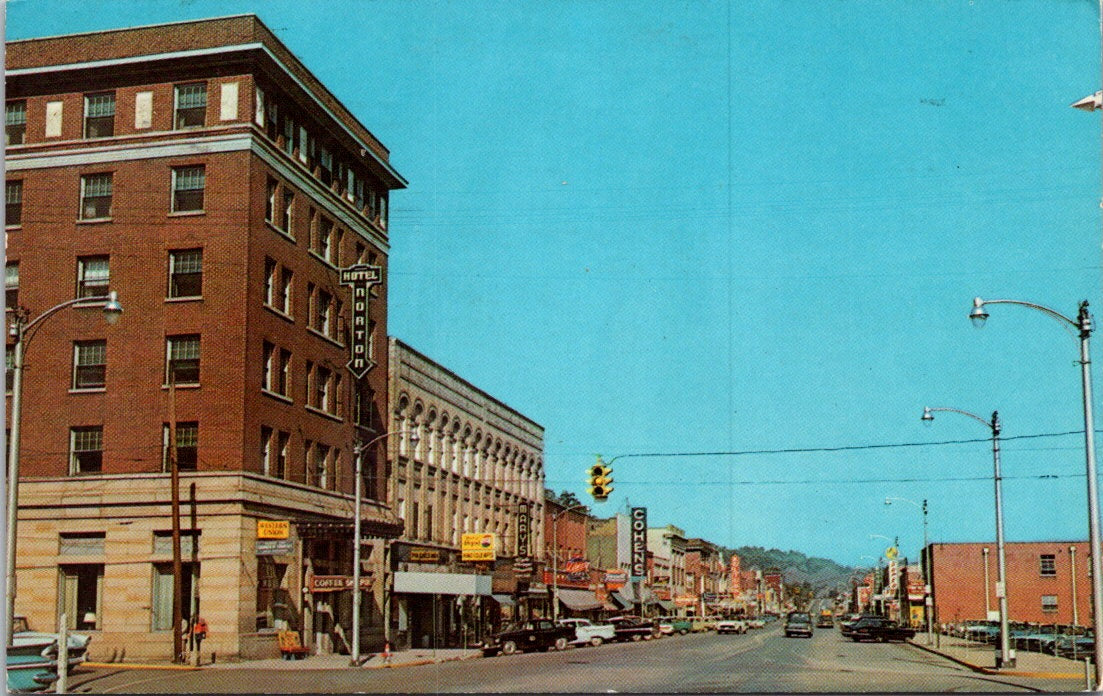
x=1001, y=563
x=1083, y=325
x=21, y=331
x=358, y=451
x=555, y=557
x=926, y=561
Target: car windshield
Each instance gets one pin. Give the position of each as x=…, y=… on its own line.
x=799, y=617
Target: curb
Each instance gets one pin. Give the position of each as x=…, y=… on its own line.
x=997, y=672
x=418, y=663
x=136, y=665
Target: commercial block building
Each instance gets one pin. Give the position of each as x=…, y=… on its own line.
x=202, y=172
x=1047, y=582
x=477, y=468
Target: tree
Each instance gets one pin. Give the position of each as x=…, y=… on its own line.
x=568, y=499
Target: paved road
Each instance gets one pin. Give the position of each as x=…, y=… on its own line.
x=761, y=661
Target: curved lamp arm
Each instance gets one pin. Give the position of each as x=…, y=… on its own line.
x=112, y=310
x=1082, y=322
x=993, y=425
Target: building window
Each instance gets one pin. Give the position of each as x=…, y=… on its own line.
x=182, y=364
x=320, y=395
x=1049, y=604
x=191, y=105
x=93, y=276
x=81, y=595
x=11, y=285
x=1048, y=564
x=13, y=207
x=187, y=447
x=273, y=598
x=81, y=543
x=188, y=184
x=15, y=122
x=95, y=196
x=89, y=364
x=186, y=273
x=162, y=593
x=282, y=439
x=322, y=313
x=86, y=450
x=266, y=450
x=277, y=369
x=284, y=220
x=9, y=373
x=99, y=115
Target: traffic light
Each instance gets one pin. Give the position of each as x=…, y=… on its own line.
x=601, y=480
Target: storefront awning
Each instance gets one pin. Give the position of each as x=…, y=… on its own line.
x=442, y=583
x=579, y=600
x=667, y=606
x=504, y=600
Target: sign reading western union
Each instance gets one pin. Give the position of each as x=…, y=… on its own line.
x=477, y=547
x=273, y=529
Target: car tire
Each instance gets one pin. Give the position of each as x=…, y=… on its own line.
x=561, y=643
x=509, y=647
x=596, y=641
x=683, y=632
x=636, y=637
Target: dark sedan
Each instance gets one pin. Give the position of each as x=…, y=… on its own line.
x=538, y=634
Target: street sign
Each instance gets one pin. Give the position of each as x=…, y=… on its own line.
x=361, y=277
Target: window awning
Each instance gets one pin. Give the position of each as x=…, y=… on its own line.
x=504, y=600
x=579, y=600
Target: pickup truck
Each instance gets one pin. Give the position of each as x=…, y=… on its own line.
x=880, y=629
x=585, y=631
x=633, y=628
x=538, y=634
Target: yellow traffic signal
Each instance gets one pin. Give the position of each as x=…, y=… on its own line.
x=601, y=480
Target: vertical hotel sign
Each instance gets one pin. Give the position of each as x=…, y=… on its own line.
x=638, y=569
x=361, y=278
x=523, y=524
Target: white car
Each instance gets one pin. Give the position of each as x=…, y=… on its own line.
x=585, y=631
x=731, y=626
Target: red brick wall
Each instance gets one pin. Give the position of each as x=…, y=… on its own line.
x=958, y=581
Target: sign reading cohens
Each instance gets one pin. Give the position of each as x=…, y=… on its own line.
x=477, y=547
x=638, y=570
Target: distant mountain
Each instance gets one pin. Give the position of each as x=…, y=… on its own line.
x=820, y=573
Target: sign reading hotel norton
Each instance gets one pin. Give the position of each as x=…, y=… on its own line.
x=273, y=529
x=477, y=547
x=639, y=544
x=361, y=277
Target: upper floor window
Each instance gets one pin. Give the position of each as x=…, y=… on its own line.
x=187, y=446
x=11, y=285
x=191, y=105
x=1049, y=603
x=188, y=184
x=93, y=275
x=277, y=369
x=186, y=273
x=277, y=286
x=90, y=364
x=95, y=196
x=13, y=207
x=86, y=450
x=15, y=121
x=182, y=363
x=99, y=115
x=1048, y=564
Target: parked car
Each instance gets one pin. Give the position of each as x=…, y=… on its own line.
x=674, y=624
x=731, y=626
x=798, y=623
x=633, y=628
x=587, y=632
x=537, y=634
x=847, y=624
x=880, y=629
x=756, y=622
x=78, y=642
x=701, y=624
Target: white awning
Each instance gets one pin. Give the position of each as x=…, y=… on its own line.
x=442, y=583
x=579, y=600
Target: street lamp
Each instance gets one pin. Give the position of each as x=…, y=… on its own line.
x=358, y=451
x=1001, y=564
x=1083, y=325
x=555, y=557
x=21, y=332
x=926, y=560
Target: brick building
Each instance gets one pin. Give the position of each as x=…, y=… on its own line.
x=203, y=173
x=1045, y=581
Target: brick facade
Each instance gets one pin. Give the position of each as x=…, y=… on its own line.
x=274, y=405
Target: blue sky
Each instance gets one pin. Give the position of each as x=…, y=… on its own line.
x=701, y=227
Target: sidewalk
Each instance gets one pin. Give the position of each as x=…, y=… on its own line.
x=403, y=658
x=981, y=658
